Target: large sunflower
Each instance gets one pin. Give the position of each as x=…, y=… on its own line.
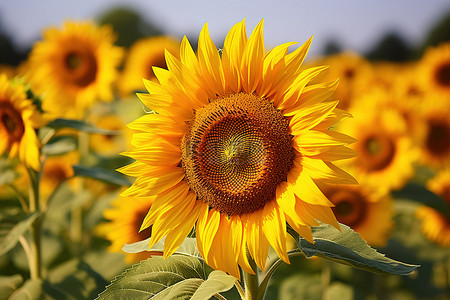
x=18, y=120
x=143, y=55
x=74, y=66
x=237, y=148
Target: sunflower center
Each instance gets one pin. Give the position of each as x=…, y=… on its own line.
x=81, y=67
x=377, y=151
x=438, y=137
x=350, y=205
x=236, y=151
x=11, y=122
x=443, y=74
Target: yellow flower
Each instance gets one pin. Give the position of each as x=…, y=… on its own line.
x=143, y=55
x=435, y=224
x=124, y=220
x=18, y=120
x=385, y=153
x=366, y=212
x=73, y=67
x=353, y=71
x=110, y=144
x=56, y=170
x=237, y=149
x=435, y=140
x=435, y=69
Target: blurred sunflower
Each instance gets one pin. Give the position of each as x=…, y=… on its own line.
x=386, y=153
x=73, y=67
x=363, y=210
x=142, y=56
x=56, y=170
x=124, y=220
x=436, y=224
x=18, y=120
x=353, y=72
x=110, y=144
x=238, y=147
x=435, y=69
x=435, y=140
x=9, y=71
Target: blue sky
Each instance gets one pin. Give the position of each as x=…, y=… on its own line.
x=359, y=24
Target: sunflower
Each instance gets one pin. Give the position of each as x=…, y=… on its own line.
x=366, y=212
x=73, y=67
x=435, y=69
x=435, y=140
x=56, y=170
x=386, y=152
x=353, y=72
x=18, y=120
x=143, y=55
x=124, y=220
x=435, y=224
x=109, y=144
x=238, y=147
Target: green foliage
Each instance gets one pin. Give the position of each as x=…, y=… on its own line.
x=8, y=241
x=78, y=125
x=8, y=284
x=7, y=173
x=347, y=247
x=59, y=145
x=107, y=176
x=179, y=276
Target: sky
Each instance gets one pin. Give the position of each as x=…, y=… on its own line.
x=357, y=24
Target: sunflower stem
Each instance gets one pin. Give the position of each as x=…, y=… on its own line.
x=76, y=214
x=251, y=280
x=21, y=198
x=35, y=266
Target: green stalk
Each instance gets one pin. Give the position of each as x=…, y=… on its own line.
x=35, y=266
x=251, y=280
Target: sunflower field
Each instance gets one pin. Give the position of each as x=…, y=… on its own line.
x=179, y=169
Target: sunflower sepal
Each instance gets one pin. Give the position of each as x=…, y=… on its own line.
x=170, y=278
x=347, y=247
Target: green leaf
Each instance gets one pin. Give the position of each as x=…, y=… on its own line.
x=59, y=146
x=8, y=284
x=112, y=177
x=217, y=282
x=16, y=232
x=347, y=247
x=188, y=247
x=76, y=280
x=7, y=173
x=157, y=276
x=79, y=125
x=31, y=290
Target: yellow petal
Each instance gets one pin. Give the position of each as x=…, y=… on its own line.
x=274, y=228
x=207, y=226
x=252, y=61
x=233, y=50
x=306, y=189
x=176, y=237
x=210, y=63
